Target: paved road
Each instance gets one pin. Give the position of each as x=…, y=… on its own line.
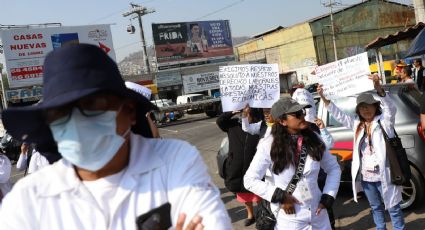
x=205, y=135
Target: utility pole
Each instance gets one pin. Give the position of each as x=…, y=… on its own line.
x=330, y=5
x=139, y=11
x=419, y=6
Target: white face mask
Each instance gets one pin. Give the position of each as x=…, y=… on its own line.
x=88, y=142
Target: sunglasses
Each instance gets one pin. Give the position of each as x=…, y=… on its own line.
x=299, y=114
x=90, y=107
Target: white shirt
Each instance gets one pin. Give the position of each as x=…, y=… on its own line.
x=391, y=193
x=159, y=171
x=5, y=170
x=37, y=161
x=103, y=191
x=305, y=217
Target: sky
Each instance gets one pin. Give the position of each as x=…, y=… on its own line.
x=247, y=17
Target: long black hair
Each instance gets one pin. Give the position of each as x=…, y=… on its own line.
x=284, y=147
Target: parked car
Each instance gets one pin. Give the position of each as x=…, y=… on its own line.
x=161, y=117
x=407, y=126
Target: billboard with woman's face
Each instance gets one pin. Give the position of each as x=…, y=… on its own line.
x=184, y=44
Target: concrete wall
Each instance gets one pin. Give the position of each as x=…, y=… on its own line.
x=357, y=26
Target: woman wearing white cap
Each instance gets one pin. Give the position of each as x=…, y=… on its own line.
x=369, y=166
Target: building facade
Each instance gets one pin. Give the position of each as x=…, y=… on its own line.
x=298, y=49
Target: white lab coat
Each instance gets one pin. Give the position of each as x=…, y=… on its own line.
x=37, y=161
x=305, y=217
x=5, y=170
x=391, y=193
x=159, y=171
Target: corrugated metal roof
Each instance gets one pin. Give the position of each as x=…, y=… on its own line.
x=408, y=33
x=267, y=32
x=351, y=6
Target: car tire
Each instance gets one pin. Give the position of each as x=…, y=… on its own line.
x=211, y=113
x=413, y=195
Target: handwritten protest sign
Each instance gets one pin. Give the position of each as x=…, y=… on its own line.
x=345, y=77
x=255, y=84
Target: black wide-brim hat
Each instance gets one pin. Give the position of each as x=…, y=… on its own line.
x=69, y=73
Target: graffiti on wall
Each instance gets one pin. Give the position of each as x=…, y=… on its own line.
x=353, y=50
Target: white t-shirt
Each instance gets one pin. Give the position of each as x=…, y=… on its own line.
x=104, y=190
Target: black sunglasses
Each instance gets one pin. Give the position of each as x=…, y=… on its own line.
x=298, y=114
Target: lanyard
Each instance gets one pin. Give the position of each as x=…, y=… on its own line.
x=298, y=152
x=299, y=167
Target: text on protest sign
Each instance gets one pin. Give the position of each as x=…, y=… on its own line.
x=255, y=84
x=345, y=77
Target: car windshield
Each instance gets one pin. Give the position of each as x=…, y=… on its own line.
x=346, y=105
x=198, y=98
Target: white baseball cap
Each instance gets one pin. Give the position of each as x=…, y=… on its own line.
x=139, y=88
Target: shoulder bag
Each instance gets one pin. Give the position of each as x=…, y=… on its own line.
x=399, y=164
x=265, y=218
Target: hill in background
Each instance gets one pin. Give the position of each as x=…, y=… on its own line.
x=133, y=63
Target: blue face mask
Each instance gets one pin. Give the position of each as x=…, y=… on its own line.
x=88, y=142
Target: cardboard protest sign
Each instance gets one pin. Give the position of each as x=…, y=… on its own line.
x=345, y=77
x=254, y=84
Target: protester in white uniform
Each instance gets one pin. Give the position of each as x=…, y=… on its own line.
x=5, y=170
x=109, y=177
x=370, y=169
x=36, y=162
x=292, y=140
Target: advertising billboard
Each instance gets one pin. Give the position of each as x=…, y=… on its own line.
x=25, y=48
x=184, y=44
x=200, y=82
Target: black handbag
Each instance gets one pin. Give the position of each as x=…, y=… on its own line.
x=399, y=164
x=265, y=219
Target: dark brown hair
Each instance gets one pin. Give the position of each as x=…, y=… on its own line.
x=362, y=120
x=284, y=147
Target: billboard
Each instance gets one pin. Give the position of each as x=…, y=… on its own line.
x=184, y=44
x=200, y=82
x=25, y=49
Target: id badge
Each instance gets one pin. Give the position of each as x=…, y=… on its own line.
x=304, y=191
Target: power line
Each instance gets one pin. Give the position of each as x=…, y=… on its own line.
x=117, y=12
x=107, y=16
x=221, y=9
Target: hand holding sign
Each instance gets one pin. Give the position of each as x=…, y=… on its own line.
x=345, y=77
x=376, y=79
